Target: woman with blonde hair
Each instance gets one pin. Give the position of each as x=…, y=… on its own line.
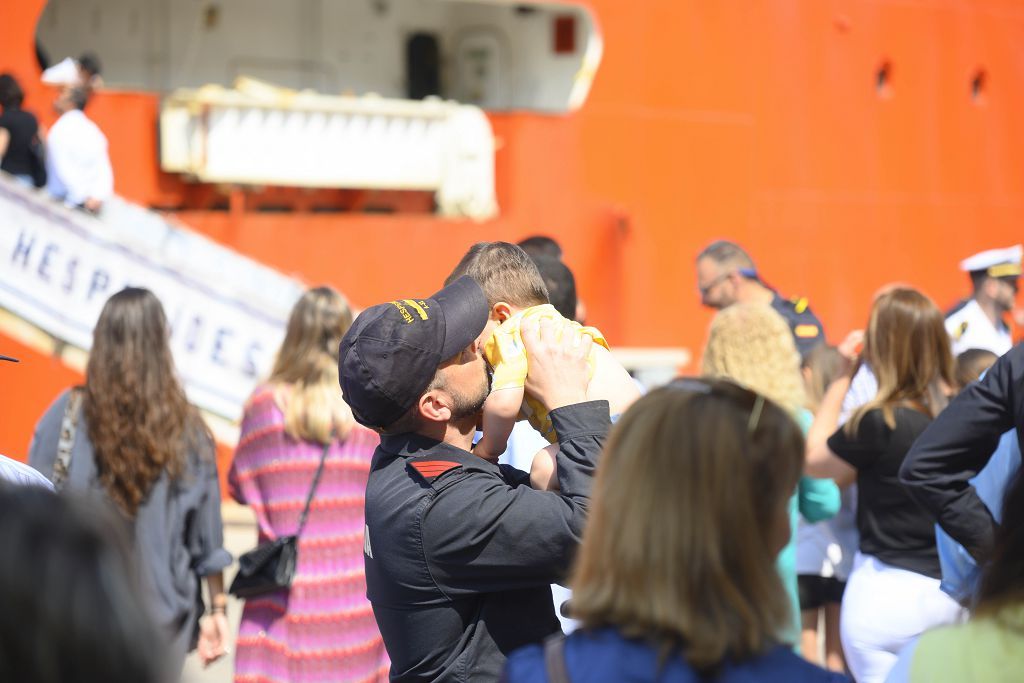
x=675, y=577
x=752, y=345
x=322, y=628
x=893, y=593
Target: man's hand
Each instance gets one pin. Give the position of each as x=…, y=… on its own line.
x=558, y=373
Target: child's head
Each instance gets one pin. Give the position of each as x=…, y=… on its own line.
x=820, y=368
x=509, y=278
x=971, y=364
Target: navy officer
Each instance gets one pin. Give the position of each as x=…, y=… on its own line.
x=726, y=275
x=978, y=322
x=459, y=552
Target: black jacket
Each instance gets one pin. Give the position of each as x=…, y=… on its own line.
x=958, y=444
x=460, y=553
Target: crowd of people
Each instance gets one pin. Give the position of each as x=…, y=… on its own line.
x=71, y=160
x=795, y=512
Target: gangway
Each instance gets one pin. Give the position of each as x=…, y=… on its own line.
x=227, y=313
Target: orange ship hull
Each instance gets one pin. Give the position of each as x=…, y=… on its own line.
x=768, y=123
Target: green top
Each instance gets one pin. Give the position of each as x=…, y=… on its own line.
x=816, y=500
x=984, y=650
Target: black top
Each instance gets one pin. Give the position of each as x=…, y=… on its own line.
x=806, y=328
x=958, y=444
x=892, y=527
x=460, y=553
x=23, y=129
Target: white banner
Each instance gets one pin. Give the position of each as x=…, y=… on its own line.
x=227, y=313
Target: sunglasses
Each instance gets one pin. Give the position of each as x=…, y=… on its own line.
x=725, y=389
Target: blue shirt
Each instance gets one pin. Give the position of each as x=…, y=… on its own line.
x=21, y=474
x=960, y=573
x=604, y=656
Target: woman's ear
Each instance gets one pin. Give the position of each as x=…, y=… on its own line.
x=501, y=311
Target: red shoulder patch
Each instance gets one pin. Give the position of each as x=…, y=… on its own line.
x=432, y=469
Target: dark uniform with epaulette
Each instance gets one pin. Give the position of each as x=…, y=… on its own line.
x=807, y=329
x=460, y=553
x=958, y=444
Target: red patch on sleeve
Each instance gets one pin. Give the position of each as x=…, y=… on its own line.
x=432, y=469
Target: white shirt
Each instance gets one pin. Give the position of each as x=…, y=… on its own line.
x=77, y=163
x=970, y=328
x=20, y=474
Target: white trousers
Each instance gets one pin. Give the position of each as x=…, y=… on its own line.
x=884, y=610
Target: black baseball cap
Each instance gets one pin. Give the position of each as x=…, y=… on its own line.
x=392, y=351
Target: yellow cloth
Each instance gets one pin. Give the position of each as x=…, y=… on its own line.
x=506, y=355
x=989, y=649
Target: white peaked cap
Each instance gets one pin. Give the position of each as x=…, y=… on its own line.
x=994, y=257
x=62, y=73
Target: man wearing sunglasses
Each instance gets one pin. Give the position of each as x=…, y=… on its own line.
x=726, y=275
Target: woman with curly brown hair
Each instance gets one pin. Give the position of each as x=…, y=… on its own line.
x=129, y=438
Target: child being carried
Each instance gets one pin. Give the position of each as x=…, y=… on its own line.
x=515, y=292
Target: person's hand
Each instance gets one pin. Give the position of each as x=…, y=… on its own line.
x=558, y=373
x=850, y=349
x=92, y=205
x=213, y=637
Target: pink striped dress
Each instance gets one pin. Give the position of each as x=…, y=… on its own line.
x=323, y=630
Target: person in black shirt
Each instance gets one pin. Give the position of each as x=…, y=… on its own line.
x=893, y=594
x=19, y=136
x=954, y=448
x=460, y=552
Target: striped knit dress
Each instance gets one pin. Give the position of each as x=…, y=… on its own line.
x=323, y=630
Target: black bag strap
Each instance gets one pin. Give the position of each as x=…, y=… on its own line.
x=312, y=488
x=66, y=441
x=554, y=658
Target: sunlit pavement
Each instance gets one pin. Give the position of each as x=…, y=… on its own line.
x=239, y=536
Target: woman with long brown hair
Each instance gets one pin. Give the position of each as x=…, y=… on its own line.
x=322, y=628
x=675, y=578
x=892, y=594
x=132, y=439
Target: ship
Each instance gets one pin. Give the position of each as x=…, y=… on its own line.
x=845, y=144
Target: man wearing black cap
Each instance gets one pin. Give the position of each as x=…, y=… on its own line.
x=460, y=552
x=726, y=275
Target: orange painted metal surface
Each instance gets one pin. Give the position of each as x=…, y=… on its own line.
x=763, y=122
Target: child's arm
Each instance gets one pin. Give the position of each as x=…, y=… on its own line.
x=543, y=471
x=500, y=412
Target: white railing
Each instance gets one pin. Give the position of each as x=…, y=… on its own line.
x=256, y=134
x=227, y=312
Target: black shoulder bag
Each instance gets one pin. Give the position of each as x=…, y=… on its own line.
x=270, y=566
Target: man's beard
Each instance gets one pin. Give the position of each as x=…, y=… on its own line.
x=471, y=405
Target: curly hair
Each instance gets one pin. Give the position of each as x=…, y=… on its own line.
x=139, y=420
x=752, y=345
